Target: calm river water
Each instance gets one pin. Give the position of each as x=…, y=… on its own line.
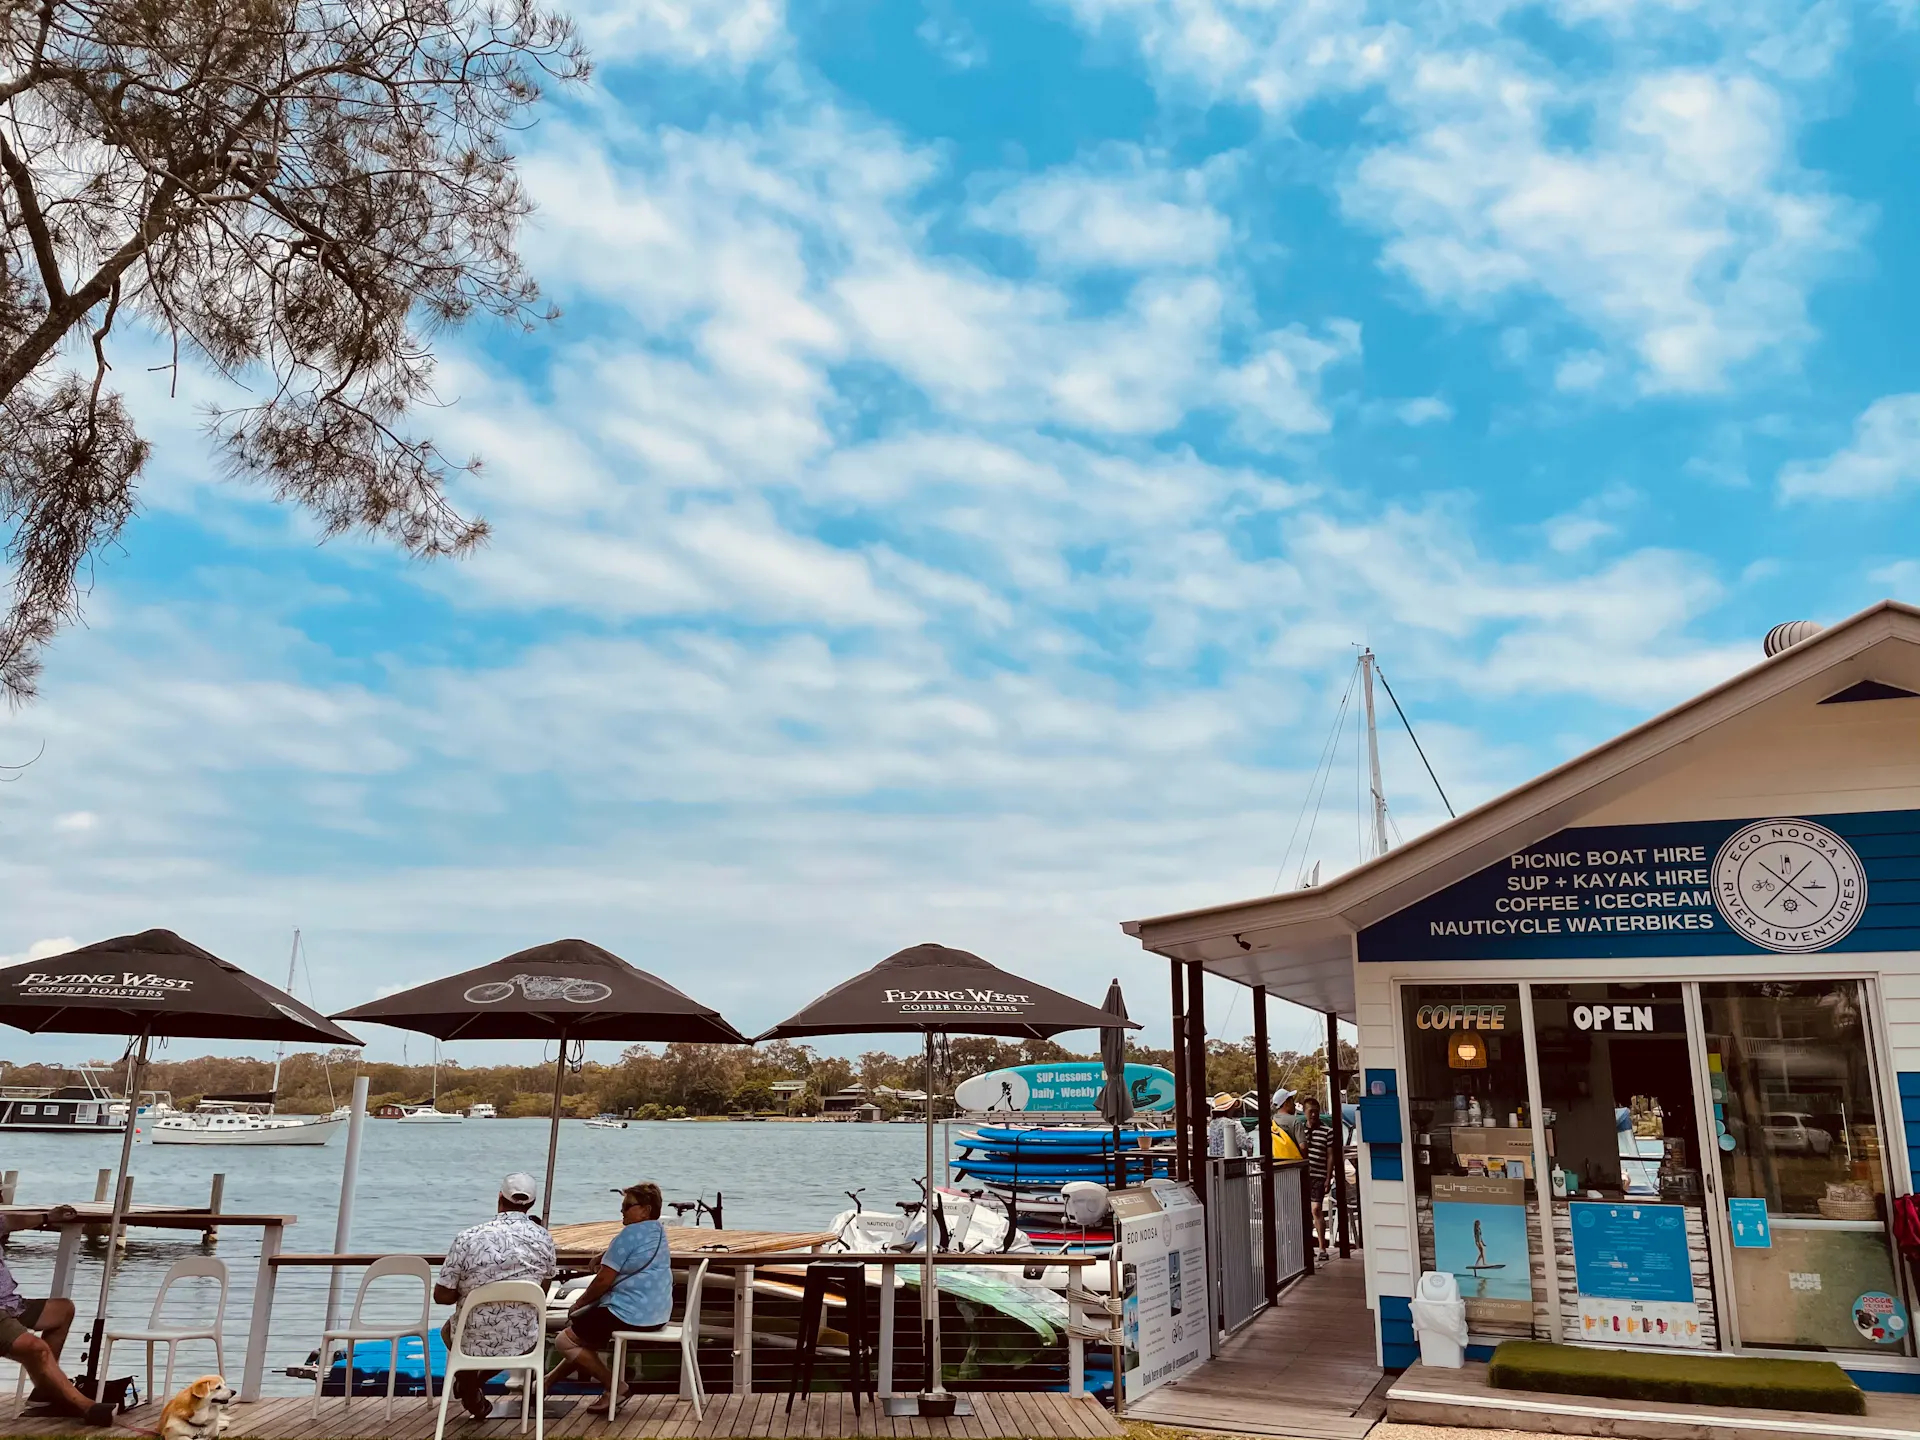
x=421, y=1183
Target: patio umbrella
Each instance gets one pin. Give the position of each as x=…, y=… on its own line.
x=144, y=985
x=569, y=991
x=938, y=991
x=1116, y=1100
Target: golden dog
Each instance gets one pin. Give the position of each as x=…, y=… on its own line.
x=198, y=1412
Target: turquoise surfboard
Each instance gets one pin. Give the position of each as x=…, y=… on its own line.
x=1068, y=1086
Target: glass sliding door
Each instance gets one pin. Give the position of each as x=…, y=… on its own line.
x=1802, y=1167
x=1630, y=1221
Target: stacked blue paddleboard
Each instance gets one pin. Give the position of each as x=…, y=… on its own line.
x=1039, y=1160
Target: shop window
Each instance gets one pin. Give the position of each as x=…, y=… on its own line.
x=1801, y=1157
x=1623, y=1157
x=1473, y=1150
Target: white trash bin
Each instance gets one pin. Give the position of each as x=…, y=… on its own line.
x=1440, y=1320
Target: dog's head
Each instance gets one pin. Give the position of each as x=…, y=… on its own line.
x=210, y=1390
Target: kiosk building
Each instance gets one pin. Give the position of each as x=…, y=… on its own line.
x=1640, y=1039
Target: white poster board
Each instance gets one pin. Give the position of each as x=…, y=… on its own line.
x=1164, y=1286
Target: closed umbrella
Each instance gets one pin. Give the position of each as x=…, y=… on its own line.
x=568, y=991
x=1116, y=1100
x=147, y=985
x=934, y=990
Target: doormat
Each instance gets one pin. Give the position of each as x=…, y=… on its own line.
x=1740, y=1381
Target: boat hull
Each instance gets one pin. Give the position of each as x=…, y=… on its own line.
x=316, y=1132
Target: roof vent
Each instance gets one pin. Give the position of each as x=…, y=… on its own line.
x=1781, y=637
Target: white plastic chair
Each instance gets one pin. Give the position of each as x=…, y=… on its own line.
x=193, y=1267
x=357, y=1328
x=686, y=1335
x=502, y=1292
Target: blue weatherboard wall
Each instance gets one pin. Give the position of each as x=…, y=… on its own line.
x=1398, y=1348
x=1463, y=923
x=1910, y=1113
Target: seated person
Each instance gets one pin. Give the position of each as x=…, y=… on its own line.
x=511, y=1246
x=632, y=1289
x=32, y=1333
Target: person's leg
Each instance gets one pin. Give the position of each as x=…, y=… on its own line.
x=577, y=1355
x=36, y=1357
x=55, y=1320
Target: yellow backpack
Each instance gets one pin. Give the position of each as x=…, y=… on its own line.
x=1283, y=1146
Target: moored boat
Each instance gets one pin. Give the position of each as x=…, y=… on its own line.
x=221, y=1123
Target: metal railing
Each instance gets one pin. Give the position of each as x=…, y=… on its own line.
x=1236, y=1220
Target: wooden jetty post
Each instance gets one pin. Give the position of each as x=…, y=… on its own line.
x=9, y=1183
x=214, y=1198
x=102, y=1182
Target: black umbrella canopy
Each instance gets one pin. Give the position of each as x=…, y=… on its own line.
x=569, y=988
x=934, y=989
x=155, y=983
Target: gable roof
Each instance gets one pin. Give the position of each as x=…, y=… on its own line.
x=1299, y=944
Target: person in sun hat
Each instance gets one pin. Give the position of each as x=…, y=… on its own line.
x=632, y=1289
x=1227, y=1138
x=513, y=1245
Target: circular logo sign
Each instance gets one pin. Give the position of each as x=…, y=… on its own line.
x=1789, y=885
x=1880, y=1317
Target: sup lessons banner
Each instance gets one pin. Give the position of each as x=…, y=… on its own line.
x=1069, y=1086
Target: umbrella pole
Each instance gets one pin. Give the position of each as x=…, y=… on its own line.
x=89, y=1382
x=553, y=1131
x=930, y=1280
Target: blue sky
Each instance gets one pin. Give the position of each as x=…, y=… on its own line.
x=977, y=438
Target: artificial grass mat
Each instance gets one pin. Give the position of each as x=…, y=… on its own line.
x=1741, y=1381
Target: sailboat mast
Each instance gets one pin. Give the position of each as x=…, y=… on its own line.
x=1379, y=806
x=280, y=1050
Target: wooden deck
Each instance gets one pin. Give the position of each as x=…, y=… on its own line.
x=1304, y=1368
x=997, y=1416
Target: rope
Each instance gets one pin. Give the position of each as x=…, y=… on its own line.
x=1418, y=748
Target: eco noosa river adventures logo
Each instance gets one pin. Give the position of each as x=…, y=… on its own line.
x=1789, y=885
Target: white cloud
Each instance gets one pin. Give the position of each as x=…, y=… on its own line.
x=1884, y=456
x=1580, y=372
x=1423, y=410
x=731, y=32
x=76, y=822
x=1570, y=534
x=1129, y=215
x=1684, y=233
x=41, y=950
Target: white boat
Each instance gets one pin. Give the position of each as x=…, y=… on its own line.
x=605, y=1122
x=429, y=1115
x=480, y=1110
x=217, y=1123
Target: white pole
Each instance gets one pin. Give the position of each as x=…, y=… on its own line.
x=118, y=1217
x=349, y=1177
x=930, y=1280
x=1379, y=806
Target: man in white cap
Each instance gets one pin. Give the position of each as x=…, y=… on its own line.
x=511, y=1246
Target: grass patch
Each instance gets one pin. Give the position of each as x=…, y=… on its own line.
x=1737, y=1381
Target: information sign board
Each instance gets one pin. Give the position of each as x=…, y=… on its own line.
x=1165, y=1317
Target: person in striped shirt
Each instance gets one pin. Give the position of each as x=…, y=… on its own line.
x=1319, y=1153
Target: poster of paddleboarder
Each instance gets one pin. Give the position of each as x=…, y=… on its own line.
x=1480, y=1237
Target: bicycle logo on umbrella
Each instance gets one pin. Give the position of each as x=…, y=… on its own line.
x=541, y=987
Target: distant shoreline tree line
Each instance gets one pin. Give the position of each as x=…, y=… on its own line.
x=656, y=1082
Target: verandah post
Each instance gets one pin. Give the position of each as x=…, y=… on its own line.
x=1263, y=1082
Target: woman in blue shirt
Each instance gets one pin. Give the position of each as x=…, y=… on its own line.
x=632, y=1289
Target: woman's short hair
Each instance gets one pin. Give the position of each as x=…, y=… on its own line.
x=647, y=1195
